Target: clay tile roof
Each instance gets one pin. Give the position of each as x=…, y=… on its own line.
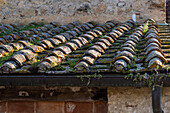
x=84, y=48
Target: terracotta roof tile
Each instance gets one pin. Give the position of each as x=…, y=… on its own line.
x=88, y=47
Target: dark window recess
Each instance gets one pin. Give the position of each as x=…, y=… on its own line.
x=100, y=95
x=168, y=11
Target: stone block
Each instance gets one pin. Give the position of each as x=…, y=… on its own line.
x=20, y=107
x=100, y=8
x=100, y=107
x=79, y=107
x=2, y=107
x=66, y=11
x=129, y=100
x=158, y=3
x=49, y=107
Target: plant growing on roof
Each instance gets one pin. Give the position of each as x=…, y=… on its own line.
x=89, y=77
x=36, y=41
x=150, y=80
x=30, y=44
x=35, y=62
x=72, y=62
x=100, y=67
x=86, y=46
x=6, y=57
x=58, y=68
x=145, y=27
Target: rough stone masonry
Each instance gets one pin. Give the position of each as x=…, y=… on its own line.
x=64, y=11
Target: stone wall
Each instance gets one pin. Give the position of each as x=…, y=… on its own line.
x=52, y=107
x=36, y=99
x=135, y=100
x=64, y=11
x=80, y=100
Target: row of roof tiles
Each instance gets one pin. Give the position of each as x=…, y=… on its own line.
x=81, y=48
x=27, y=54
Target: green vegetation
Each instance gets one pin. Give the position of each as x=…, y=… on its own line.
x=33, y=42
x=30, y=44
x=145, y=64
x=72, y=62
x=135, y=56
x=141, y=57
x=150, y=80
x=145, y=27
x=21, y=28
x=82, y=77
x=7, y=32
x=119, y=44
x=132, y=65
x=58, y=68
x=36, y=41
x=86, y=46
x=109, y=30
x=100, y=36
x=53, y=64
x=27, y=27
x=6, y=57
x=99, y=67
x=35, y=62
x=167, y=68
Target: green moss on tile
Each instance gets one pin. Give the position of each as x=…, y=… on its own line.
x=87, y=46
x=99, y=67
x=30, y=44
x=58, y=68
x=21, y=28
x=36, y=41
x=72, y=62
x=6, y=57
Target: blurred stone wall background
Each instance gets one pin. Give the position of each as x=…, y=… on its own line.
x=64, y=11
